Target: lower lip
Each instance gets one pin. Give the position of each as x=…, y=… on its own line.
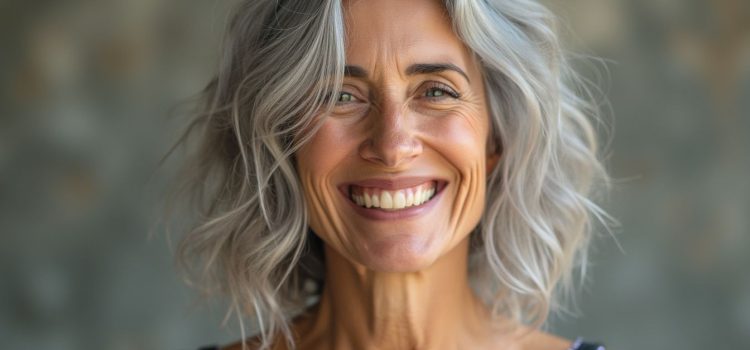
x=410, y=212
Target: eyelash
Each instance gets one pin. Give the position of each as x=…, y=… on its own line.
x=435, y=86
x=432, y=86
x=341, y=94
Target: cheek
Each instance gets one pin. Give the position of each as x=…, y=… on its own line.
x=326, y=149
x=461, y=141
x=317, y=161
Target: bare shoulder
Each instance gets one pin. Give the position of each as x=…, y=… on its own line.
x=540, y=340
x=298, y=325
x=235, y=346
x=250, y=344
x=521, y=337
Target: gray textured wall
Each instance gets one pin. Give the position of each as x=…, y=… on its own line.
x=85, y=89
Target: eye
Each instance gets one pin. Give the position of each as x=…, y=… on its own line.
x=434, y=93
x=345, y=97
x=437, y=91
x=349, y=104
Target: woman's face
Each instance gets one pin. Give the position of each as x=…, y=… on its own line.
x=395, y=176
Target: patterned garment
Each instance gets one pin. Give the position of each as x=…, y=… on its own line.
x=579, y=344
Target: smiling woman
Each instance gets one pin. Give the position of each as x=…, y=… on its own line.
x=408, y=123
x=394, y=174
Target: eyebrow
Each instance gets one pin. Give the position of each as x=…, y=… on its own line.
x=414, y=69
x=355, y=72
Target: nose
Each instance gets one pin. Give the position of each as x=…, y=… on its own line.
x=391, y=142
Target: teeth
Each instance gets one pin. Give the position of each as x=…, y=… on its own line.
x=418, y=198
x=386, y=202
x=394, y=200
x=427, y=195
x=399, y=200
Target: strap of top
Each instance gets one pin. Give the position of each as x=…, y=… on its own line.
x=579, y=344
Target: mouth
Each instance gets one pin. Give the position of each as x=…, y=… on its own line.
x=392, y=196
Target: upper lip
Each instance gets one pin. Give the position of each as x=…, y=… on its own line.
x=392, y=184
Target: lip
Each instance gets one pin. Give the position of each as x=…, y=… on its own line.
x=392, y=184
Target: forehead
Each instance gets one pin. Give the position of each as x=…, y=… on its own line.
x=412, y=30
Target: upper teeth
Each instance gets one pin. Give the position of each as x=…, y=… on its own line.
x=397, y=199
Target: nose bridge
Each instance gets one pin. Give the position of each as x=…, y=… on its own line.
x=389, y=118
x=392, y=139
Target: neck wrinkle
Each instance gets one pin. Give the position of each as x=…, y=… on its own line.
x=428, y=309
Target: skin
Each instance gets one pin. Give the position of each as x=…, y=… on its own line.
x=402, y=283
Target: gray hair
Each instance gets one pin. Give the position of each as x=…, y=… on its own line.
x=253, y=242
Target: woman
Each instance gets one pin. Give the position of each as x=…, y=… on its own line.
x=394, y=174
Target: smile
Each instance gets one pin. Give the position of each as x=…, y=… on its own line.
x=373, y=197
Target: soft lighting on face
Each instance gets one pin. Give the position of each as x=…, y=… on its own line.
x=395, y=176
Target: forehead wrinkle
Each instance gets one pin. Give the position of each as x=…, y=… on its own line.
x=388, y=31
x=387, y=40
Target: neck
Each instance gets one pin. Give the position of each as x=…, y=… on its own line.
x=431, y=308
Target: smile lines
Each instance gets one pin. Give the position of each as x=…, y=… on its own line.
x=369, y=197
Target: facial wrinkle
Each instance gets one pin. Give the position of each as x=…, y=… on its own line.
x=402, y=283
x=422, y=298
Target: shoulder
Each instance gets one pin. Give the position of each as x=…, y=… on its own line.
x=532, y=339
x=545, y=341
x=298, y=325
x=238, y=346
x=250, y=344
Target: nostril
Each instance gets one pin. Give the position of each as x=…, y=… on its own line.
x=391, y=150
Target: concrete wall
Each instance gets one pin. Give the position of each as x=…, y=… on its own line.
x=86, y=86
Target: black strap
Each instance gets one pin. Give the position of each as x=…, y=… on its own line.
x=589, y=346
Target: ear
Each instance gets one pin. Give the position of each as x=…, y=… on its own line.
x=494, y=152
x=492, y=159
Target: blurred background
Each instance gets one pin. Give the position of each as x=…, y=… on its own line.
x=85, y=90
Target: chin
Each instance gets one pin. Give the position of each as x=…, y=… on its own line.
x=401, y=253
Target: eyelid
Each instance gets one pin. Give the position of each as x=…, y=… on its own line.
x=358, y=104
x=442, y=86
x=355, y=96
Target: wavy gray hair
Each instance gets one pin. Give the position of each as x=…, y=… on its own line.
x=253, y=242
